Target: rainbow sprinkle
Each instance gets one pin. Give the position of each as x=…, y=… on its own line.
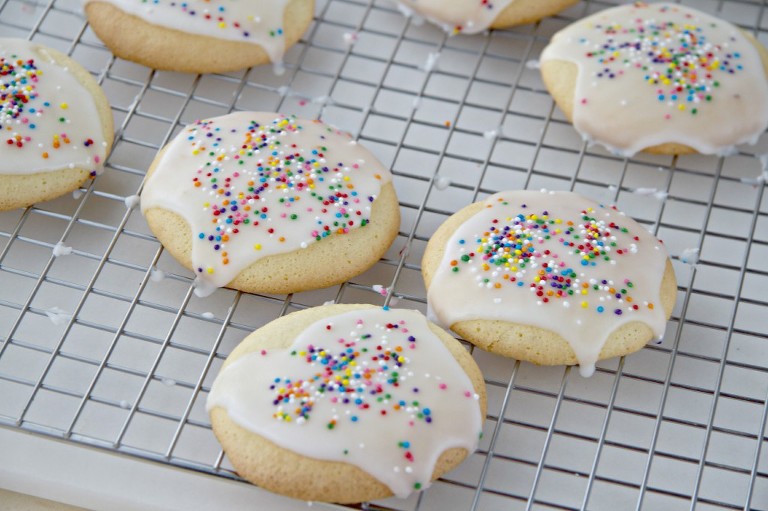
x=676, y=59
x=235, y=180
x=365, y=375
x=23, y=111
x=18, y=91
x=215, y=15
x=360, y=374
x=512, y=252
x=366, y=386
x=482, y=4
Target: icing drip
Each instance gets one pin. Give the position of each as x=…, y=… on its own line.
x=459, y=16
x=663, y=73
x=48, y=120
x=552, y=260
x=375, y=388
x=252, y=185
x=253, y=21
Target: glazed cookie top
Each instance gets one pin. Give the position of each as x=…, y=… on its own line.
x=553, y=260
x=375, y=388
x=251, y=185
x=458, y=16
x=48, y=119
x=650, y=74
x=252, y=21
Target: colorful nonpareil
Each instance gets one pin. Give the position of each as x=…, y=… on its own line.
x=255, y=21
x=48, y=120
x=375, y=388
x=653, y=74
x=555, y=261
x=458, y=16
x=251, y=185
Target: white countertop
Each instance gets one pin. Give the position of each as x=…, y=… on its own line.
x=44, y=467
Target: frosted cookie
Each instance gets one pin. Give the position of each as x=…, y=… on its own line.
x=549, y=277
x=55, y=124
x=474, y=16
x=270, y=204
x=200, y=36
x=662, y=78
x=347, y=403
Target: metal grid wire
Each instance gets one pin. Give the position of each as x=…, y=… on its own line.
x=109, y=347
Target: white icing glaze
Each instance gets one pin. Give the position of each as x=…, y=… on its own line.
x=48, y=120
x=465, y=16
x=251, y=21
x=635, y=92
x=375, y=388
x=254, y=184
x=492, y=275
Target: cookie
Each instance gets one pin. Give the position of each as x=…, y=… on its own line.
x=265, y=203
x=661, y=78
x=347, y=403
x=474, y=16
x=197, y=36
x=55, y=124
x=552, y=278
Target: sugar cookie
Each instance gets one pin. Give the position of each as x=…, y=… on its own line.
x=549, y=277
x=348, y=403
x=199, y=36
x=662, y=78
x=265, y=203
x=474, y=16
x=55, y=124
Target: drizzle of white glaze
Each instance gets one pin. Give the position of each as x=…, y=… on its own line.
x=663, y=73
x=48, y=119
x=553, y=260
x=690, y=256
x=60, y=249
x=454, y=16
x=400, y=399
x=57, y=316
x=255, y=21
x=132, y=201
x=156, y=275
x=254, y=184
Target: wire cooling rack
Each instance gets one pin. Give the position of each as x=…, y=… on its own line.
x=104, y=343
